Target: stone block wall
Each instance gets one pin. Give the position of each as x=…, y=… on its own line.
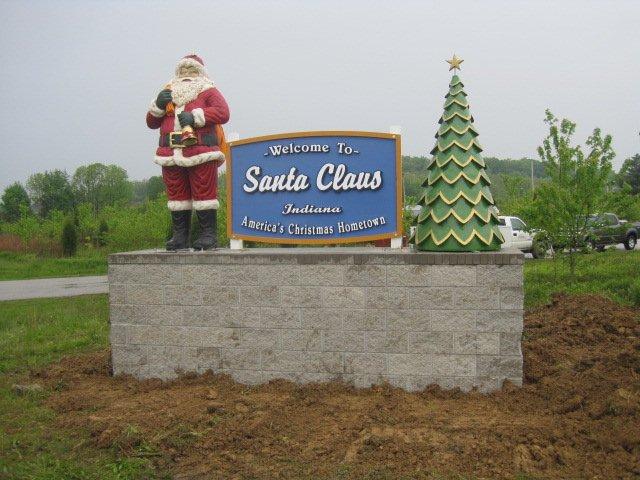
x=358, y=315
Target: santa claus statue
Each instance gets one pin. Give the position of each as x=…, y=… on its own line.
x=189, y=112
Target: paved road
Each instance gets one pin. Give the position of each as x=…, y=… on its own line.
x=52, y=287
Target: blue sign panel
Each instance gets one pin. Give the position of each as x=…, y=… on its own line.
x=315, y=187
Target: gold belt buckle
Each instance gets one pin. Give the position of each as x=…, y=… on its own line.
x=177, y=144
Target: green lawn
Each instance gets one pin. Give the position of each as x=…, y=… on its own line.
x=32, y=334
x=20, y=266
x=612, y=273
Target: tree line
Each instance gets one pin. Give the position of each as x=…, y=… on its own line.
x=99, y=206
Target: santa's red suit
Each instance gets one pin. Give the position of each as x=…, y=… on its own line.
x=190, y=173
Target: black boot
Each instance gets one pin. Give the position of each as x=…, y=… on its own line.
x=181, y=220
x=208, y=238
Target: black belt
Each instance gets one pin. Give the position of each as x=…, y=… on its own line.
x=204, y=139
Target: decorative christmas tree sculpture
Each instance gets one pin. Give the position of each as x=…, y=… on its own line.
x=458, y=214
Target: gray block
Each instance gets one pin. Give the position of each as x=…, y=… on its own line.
x=371, y=363
x=145, y=335
x=323, y=318
x=213, y=316
x=398, y=298
x=510, y=344
x=117, y=293
x=221, y=297
x=359, y=319
x=301, y=339
x=299, y=361
x=208, y=358
x=239, y=275
x=365, y=275
x=301, y=297
x=410, y=320
x=365, y=316
x=259, y=338
x=129, y=355
x=376, y=298
x=205, y=275
x=322, y=275
x=146, y=314
x=499, y=275
x=259, y=296
x=183, y=336
x=279, y=318
x=452, y=320
x=240, y=359
x=494, y=366
x=431, y=276
x=178, y=358
x=386, y=341
x=144, y=294
x=118, y=334
x=145, y=274
x=430, y=342
x=474, y=342
x=343, y=341
x=183, y=295
x=499, y=321
x=343, y=297
x=276, y=275
x=480, y=298
x=512, y=298
x=220, y=337
x=432, y=365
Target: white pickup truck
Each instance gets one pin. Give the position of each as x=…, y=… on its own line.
x=517, y=235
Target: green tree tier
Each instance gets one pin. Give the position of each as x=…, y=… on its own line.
x=458, y=213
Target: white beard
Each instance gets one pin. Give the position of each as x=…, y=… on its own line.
x=183, y=92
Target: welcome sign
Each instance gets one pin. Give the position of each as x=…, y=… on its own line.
x=315, y=187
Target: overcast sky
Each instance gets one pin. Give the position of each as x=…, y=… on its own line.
x=79, y=75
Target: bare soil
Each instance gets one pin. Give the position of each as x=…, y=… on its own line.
x=577, y=415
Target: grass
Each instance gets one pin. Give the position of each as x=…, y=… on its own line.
x=34, y=333
x=22, y=266
x=612, y=273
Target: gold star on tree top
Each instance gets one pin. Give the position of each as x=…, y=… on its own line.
x=454, y=63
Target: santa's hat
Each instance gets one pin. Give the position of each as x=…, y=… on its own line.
x=192, y=60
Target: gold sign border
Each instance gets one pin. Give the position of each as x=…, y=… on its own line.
x=313, y=241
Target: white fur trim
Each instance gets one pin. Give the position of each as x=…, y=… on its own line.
x=178, y=205
x=206, y=204
x=155, y=110
x=164, y=161
x=198, y=117
x=183, y=161
x=178, y=159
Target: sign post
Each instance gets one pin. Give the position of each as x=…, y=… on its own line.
x=315, y=188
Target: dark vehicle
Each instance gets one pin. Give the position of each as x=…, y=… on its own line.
x=608, y=229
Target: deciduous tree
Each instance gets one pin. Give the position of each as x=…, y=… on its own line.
x=14, y=199
x=101, y=185
x=50, y=191
x=576, y=186
x=630, y=173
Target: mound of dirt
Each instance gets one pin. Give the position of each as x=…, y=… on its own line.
x=577, y=416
